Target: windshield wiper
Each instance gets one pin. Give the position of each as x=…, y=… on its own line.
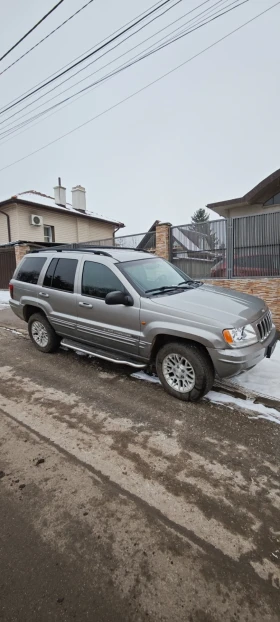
x=163, y=288
x=191, y=282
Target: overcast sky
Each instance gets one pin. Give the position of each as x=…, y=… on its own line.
x=207, y=132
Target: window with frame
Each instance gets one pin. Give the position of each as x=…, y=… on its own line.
x=61, y=274
x=48, y=233
x=98, y=280
x=30, y=269
x=275, y=200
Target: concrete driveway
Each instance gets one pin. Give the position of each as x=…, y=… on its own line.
x=118, y=502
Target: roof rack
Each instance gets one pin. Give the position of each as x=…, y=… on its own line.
x=71, y=250
x=96, y=250
x=118, y=248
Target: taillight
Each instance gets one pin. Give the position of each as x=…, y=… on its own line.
x=11, y=288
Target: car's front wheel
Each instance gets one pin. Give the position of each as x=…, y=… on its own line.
x=185, y=371
x=42, y=334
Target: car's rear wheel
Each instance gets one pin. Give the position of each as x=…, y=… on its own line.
x=42, y=334
x=185, y=371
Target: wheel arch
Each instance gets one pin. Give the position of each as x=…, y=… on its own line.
x=162, y=339
x=29, y=310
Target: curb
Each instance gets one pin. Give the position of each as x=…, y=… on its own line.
x=237, y=391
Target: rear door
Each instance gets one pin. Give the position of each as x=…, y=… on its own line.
x=57, y=294
x=115, y=328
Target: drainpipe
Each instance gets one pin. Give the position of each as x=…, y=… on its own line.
x=8, y=224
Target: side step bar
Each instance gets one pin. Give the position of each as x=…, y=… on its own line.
x=78, y=347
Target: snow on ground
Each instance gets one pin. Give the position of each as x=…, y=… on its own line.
x=260, y=411
x=264, y=378
x=4, y=298
x=141, y=375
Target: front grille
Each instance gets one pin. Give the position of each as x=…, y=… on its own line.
x=265, y=326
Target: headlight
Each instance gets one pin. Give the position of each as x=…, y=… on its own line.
x=240, y=337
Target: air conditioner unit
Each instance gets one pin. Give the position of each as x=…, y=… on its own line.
x=37, y=221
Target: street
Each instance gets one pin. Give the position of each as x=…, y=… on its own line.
x=118, y=502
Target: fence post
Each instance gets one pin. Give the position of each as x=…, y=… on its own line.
x=20, y=251
x=230, y=248
x=163, y=231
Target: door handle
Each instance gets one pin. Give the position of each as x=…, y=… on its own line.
x=43, y=294
x=85, y=304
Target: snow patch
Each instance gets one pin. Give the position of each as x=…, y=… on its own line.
x=264, y=378
x=4, y=299
x=261, y=411
x=12, y=330
x=140, y=375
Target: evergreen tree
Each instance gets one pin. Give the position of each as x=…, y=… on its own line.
x=201, y=224
x=200, y=216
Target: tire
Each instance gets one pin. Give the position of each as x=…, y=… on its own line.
x=49, y=340
x=194, y=362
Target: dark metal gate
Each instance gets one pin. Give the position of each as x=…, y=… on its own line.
x=7, y=266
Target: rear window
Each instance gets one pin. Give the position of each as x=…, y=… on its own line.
x=61, y=274
x=30, y=269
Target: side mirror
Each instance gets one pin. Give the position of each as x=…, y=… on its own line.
x=119, y=298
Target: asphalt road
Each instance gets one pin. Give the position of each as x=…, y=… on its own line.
x=118, y=502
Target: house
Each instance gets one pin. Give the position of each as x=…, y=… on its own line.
x=263, y=198
x=40, y=218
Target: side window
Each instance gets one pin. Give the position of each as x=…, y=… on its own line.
x=49, y=274
x=99, y=280
x=61, y=274
x=30, y=269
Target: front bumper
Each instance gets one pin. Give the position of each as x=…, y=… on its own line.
x=231, y=362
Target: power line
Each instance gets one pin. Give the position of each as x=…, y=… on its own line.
x=101, y=47
x=122, y=67
x=31, y=29
x=114, y=60
x=47, y=36
x=80, y=56
x=8, y=131
x=141, y=90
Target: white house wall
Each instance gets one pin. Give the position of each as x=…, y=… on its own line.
x=67, y=228
x=251, y=210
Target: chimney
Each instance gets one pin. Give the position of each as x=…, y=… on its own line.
x=60, y=194
x=79, y=198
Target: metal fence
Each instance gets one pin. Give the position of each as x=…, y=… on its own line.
x=256, y=243
x=138, y=241
x=248, y=246
x=198, y=248
x=7, y=266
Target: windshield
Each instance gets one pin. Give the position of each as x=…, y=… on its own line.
x=153, y=274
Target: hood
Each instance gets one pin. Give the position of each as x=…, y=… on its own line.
x=220, y=305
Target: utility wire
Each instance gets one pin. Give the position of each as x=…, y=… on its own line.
x=89, y=55
x=47, y=36
x=112, y=61
x=80, y=56
x=124, y=66
x=142, y=89
x=31, y=29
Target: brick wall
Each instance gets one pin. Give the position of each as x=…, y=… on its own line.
x=163, y=240
x=20, y=251
x=267, y=289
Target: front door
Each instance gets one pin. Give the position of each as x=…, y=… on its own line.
x=115, y=328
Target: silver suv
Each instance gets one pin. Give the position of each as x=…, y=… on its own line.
x=133, y=308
